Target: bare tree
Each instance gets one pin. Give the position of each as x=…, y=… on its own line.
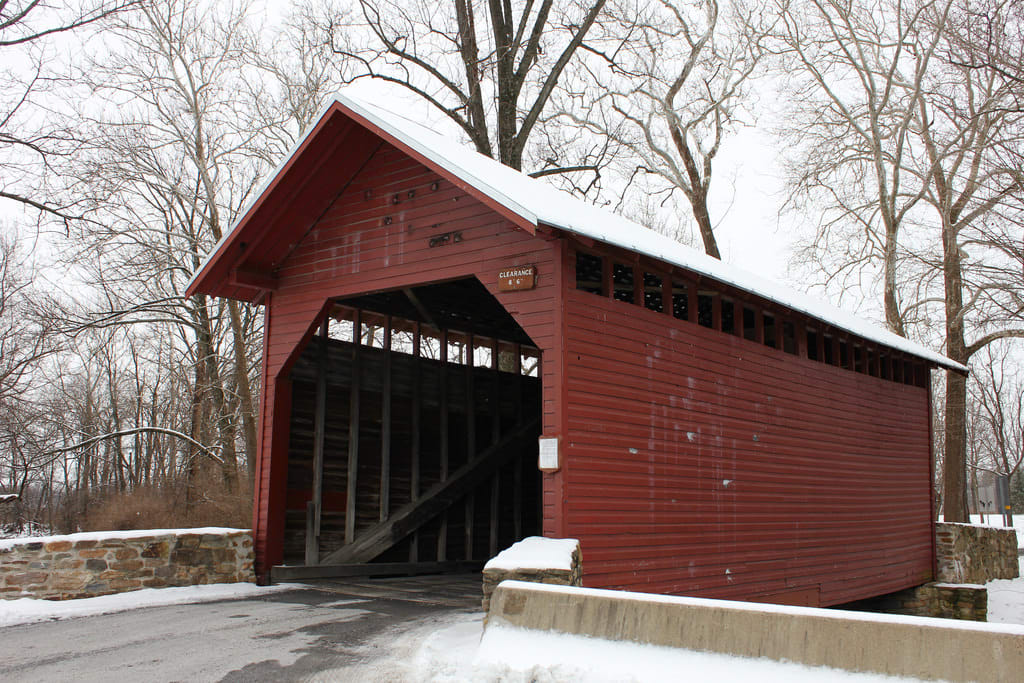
x=919, y=172
x=25, y=331
x=857, y=75
x=998, y=394
x=968, y=125
x=178, y=153
x=667, y=85
x=490, y=67
x=26, y=345
x=32, y=134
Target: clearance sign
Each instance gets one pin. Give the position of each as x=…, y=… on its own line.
x=517, y=278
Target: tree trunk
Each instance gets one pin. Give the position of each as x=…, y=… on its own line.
x=954, y=503
x=244, y=389
x=893, y=315
x=707, y=231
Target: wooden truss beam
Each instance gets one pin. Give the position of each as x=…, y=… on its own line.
x=435, y=501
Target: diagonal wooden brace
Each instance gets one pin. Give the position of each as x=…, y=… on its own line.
x=410, y=517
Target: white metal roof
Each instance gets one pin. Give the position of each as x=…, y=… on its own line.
x=540, y=203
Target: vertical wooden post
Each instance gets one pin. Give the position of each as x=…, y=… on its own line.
x=800, y=338
x=492, y=538
x=821, y=344
x=737, y=318
x=312, y=551
x=470, y=403
x=496, y=394
x=414, y=474
x=716, y=312
x=517, y=477
x=638, y=286
x=442, y=534
x=470, y=505
x=385, y=427
x=353, y=431
x=666, y=294
x=319, y=419
x=492, y=545
x=691, y=302
x=607, y=277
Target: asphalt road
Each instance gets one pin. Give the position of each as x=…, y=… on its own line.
x=335, y=630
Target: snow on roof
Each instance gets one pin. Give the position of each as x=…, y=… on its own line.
x=540, y=203
x=536, y=552
x=5, y=497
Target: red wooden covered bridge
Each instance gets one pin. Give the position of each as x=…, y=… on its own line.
x=457, y=356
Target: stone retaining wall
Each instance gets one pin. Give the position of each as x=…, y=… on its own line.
x=561, y=576
x=89, y=564
x=946, y=600
x=967, y=553
x=967, y=557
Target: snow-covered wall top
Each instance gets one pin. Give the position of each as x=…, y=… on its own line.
x=8, y=543
x=535, y=552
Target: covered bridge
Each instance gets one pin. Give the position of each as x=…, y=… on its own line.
x=431, y=314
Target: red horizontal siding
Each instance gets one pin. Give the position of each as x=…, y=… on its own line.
x=700, y=463
x=365, y=242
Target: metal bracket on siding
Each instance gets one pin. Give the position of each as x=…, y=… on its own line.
x=445, y=238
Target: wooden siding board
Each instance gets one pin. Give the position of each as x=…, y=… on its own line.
x=338, y=259
x=667, y=488
x=835, y=451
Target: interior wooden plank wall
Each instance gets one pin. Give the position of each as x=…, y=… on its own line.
x=515, y=509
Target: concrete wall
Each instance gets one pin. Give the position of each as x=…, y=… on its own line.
x=101, y=563
x=854, y=641
x=968, y=553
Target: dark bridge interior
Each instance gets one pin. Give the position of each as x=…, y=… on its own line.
x=415, y=417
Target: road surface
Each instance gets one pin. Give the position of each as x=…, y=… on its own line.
x=334, y=630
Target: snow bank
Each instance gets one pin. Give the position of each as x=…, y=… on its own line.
x=455, y=652
x=1006, y=599
x=513, y=654
x=536, y=552
x=111, y=535
x=30, y=610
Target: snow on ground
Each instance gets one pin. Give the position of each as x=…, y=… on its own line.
x=112, y=535
x=32, y=610
x=535, y=552
x=1006, y=598
x=456, y=652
